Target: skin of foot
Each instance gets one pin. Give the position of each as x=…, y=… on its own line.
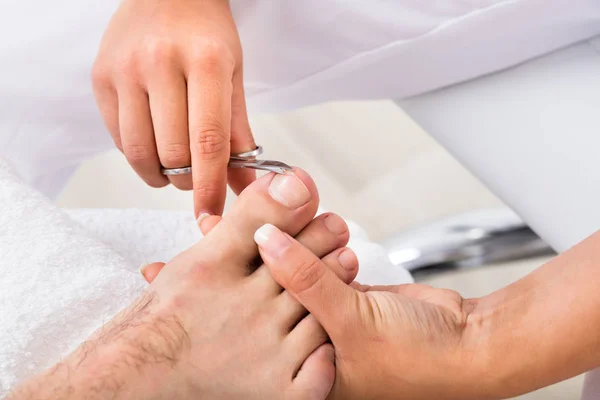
x=214, y=324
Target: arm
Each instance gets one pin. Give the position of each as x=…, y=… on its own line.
x=543, y=328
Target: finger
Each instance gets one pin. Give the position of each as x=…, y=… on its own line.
x=151, y=271
x=242, y=139
x=168, y=103
x=344, y=264
x=209, y=104
x=208, y=222
x=323, y=235
x=108, y=103
x=137, y=135
x=307, y=278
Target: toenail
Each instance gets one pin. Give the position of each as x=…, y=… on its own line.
x=289, y=190
x=271, y=240
x=347, y=259
x=143, y=268
x=335, y=224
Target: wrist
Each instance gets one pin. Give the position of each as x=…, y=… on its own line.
x=503, y=338
x=480, y=360
x=540, y=330
x=469, y=366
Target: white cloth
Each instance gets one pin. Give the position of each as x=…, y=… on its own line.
x=296, y=53
x=64, y=274
x=305, y=52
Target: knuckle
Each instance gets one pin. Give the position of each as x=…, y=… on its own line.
x=211, y=140
x=207, y=189
x=138, y=154
x=244, y=143
x=100, y=75
x=306, y=276
x=158, y=53
x=214, y=53
x=126, y=65
x=175, y=155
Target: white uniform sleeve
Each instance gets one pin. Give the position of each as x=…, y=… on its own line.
x=304, y=52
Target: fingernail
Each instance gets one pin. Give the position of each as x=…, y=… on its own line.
x=143, y=268
x=335, y=224
x=271, y=240
x=202, y=217
x=289, y=190
x=347, y=259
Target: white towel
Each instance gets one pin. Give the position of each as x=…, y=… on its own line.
x=57, y=284
x=63, y=274
x=143, y=236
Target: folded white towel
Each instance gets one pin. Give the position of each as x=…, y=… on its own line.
x=57, y=284
x=63, y=274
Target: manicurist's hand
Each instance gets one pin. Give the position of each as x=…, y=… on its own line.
x=417, y=342
x=396, y=342
x=168, y=82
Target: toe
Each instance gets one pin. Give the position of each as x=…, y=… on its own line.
x=151, y=271
x=323, y=235
x=304, y=339
x=316, y=376
x=343, y=262
x=288, y=201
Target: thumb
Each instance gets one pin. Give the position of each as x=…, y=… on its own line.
x=306, y=278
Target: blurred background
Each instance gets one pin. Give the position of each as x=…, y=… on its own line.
x=382, y=171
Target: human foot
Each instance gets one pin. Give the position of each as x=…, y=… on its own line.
x=251, y=334
x=211, y=327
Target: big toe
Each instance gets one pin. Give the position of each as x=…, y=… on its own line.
x=288, y=201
